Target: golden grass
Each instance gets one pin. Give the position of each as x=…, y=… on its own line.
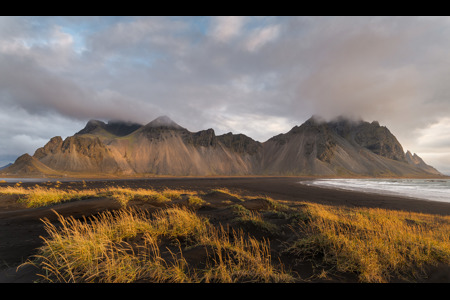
x=196, y=202
x=241, y=259
x=38, y=196
x=273, y=205
x=100, y=250
x=253, y=219
x=124, y=195
x=377, y=244
x=228, y=192
x=127, y=245
x=42, y=196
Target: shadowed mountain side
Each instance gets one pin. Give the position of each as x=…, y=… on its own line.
x=116, y=128
x=341, y=147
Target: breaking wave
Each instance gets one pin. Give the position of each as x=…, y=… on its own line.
x=429, y=189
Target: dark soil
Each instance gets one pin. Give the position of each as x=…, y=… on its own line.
x=22, y=228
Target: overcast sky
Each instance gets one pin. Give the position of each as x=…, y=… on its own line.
x=259, y=76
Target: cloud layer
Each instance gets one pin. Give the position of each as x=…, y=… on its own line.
x=254, y=75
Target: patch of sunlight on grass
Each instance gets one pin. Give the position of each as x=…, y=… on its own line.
x=375, y=243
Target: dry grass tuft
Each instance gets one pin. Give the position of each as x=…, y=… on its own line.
x=41, y=196
x=196, y=202
x=226, y=191
x=38, y=196
x=253, y=219
x=377, y=244
x=124, y=195
x=131, y=245
x=100, y=250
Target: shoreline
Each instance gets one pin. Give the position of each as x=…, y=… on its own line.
x=22, y=227
x=152, y=176
x=379, y=190
x=232, y=181
x=277, y=187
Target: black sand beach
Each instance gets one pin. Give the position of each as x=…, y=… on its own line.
x=21, y=227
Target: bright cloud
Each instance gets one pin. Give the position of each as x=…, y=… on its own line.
x=262, y=36
x=255, y=75
x=435, y=136
x=225, y=28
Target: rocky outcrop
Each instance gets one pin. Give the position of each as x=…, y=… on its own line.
x=418, y=162
x=204, y=138
x=371, y=136
x=240, y=143
x=77, y=153
x=52, y=147
x=341, y=147
x=117, y=128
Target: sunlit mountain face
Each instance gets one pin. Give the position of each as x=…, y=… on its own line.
x=259, y=76
x=341, y=147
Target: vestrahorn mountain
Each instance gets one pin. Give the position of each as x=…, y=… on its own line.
x=341, y=147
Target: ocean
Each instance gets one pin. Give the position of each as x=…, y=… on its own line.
x=14, y=180
x=428, y=189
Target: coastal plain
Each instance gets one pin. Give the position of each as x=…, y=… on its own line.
x=23, y=229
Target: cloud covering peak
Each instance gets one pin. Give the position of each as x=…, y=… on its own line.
x=254, y=75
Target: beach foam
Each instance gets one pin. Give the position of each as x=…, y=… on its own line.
x=429, y=189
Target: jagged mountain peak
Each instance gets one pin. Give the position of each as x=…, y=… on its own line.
x=121, y=122
x=91, y=126
x=342, y=146
x=342, y=119
x=339, y=124
x=121, y=128
x=355, y=131
x=95, y=122
x=315, y=120
x=115, y=127
x=163, y=122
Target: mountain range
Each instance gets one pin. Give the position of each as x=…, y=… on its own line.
x=341, y=147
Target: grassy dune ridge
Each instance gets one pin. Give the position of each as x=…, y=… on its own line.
x=102, y=251
x=375, y=243
x=39, y=196
x=179, y=242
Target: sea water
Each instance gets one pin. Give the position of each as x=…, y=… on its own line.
x=429, y=189
x=14, y=180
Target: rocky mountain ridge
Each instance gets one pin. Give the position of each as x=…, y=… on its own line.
x=341, y=147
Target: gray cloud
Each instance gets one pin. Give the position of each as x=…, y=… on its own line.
x=255, y=75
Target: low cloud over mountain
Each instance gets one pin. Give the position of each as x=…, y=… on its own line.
x=341, y=147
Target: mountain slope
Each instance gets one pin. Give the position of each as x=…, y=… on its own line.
x=30, y=166
x=112, y=128
x=341, y=147
x=338, y=148
x=418, y=162
x=4, y=167
x=178, y=152
x=78, y=153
